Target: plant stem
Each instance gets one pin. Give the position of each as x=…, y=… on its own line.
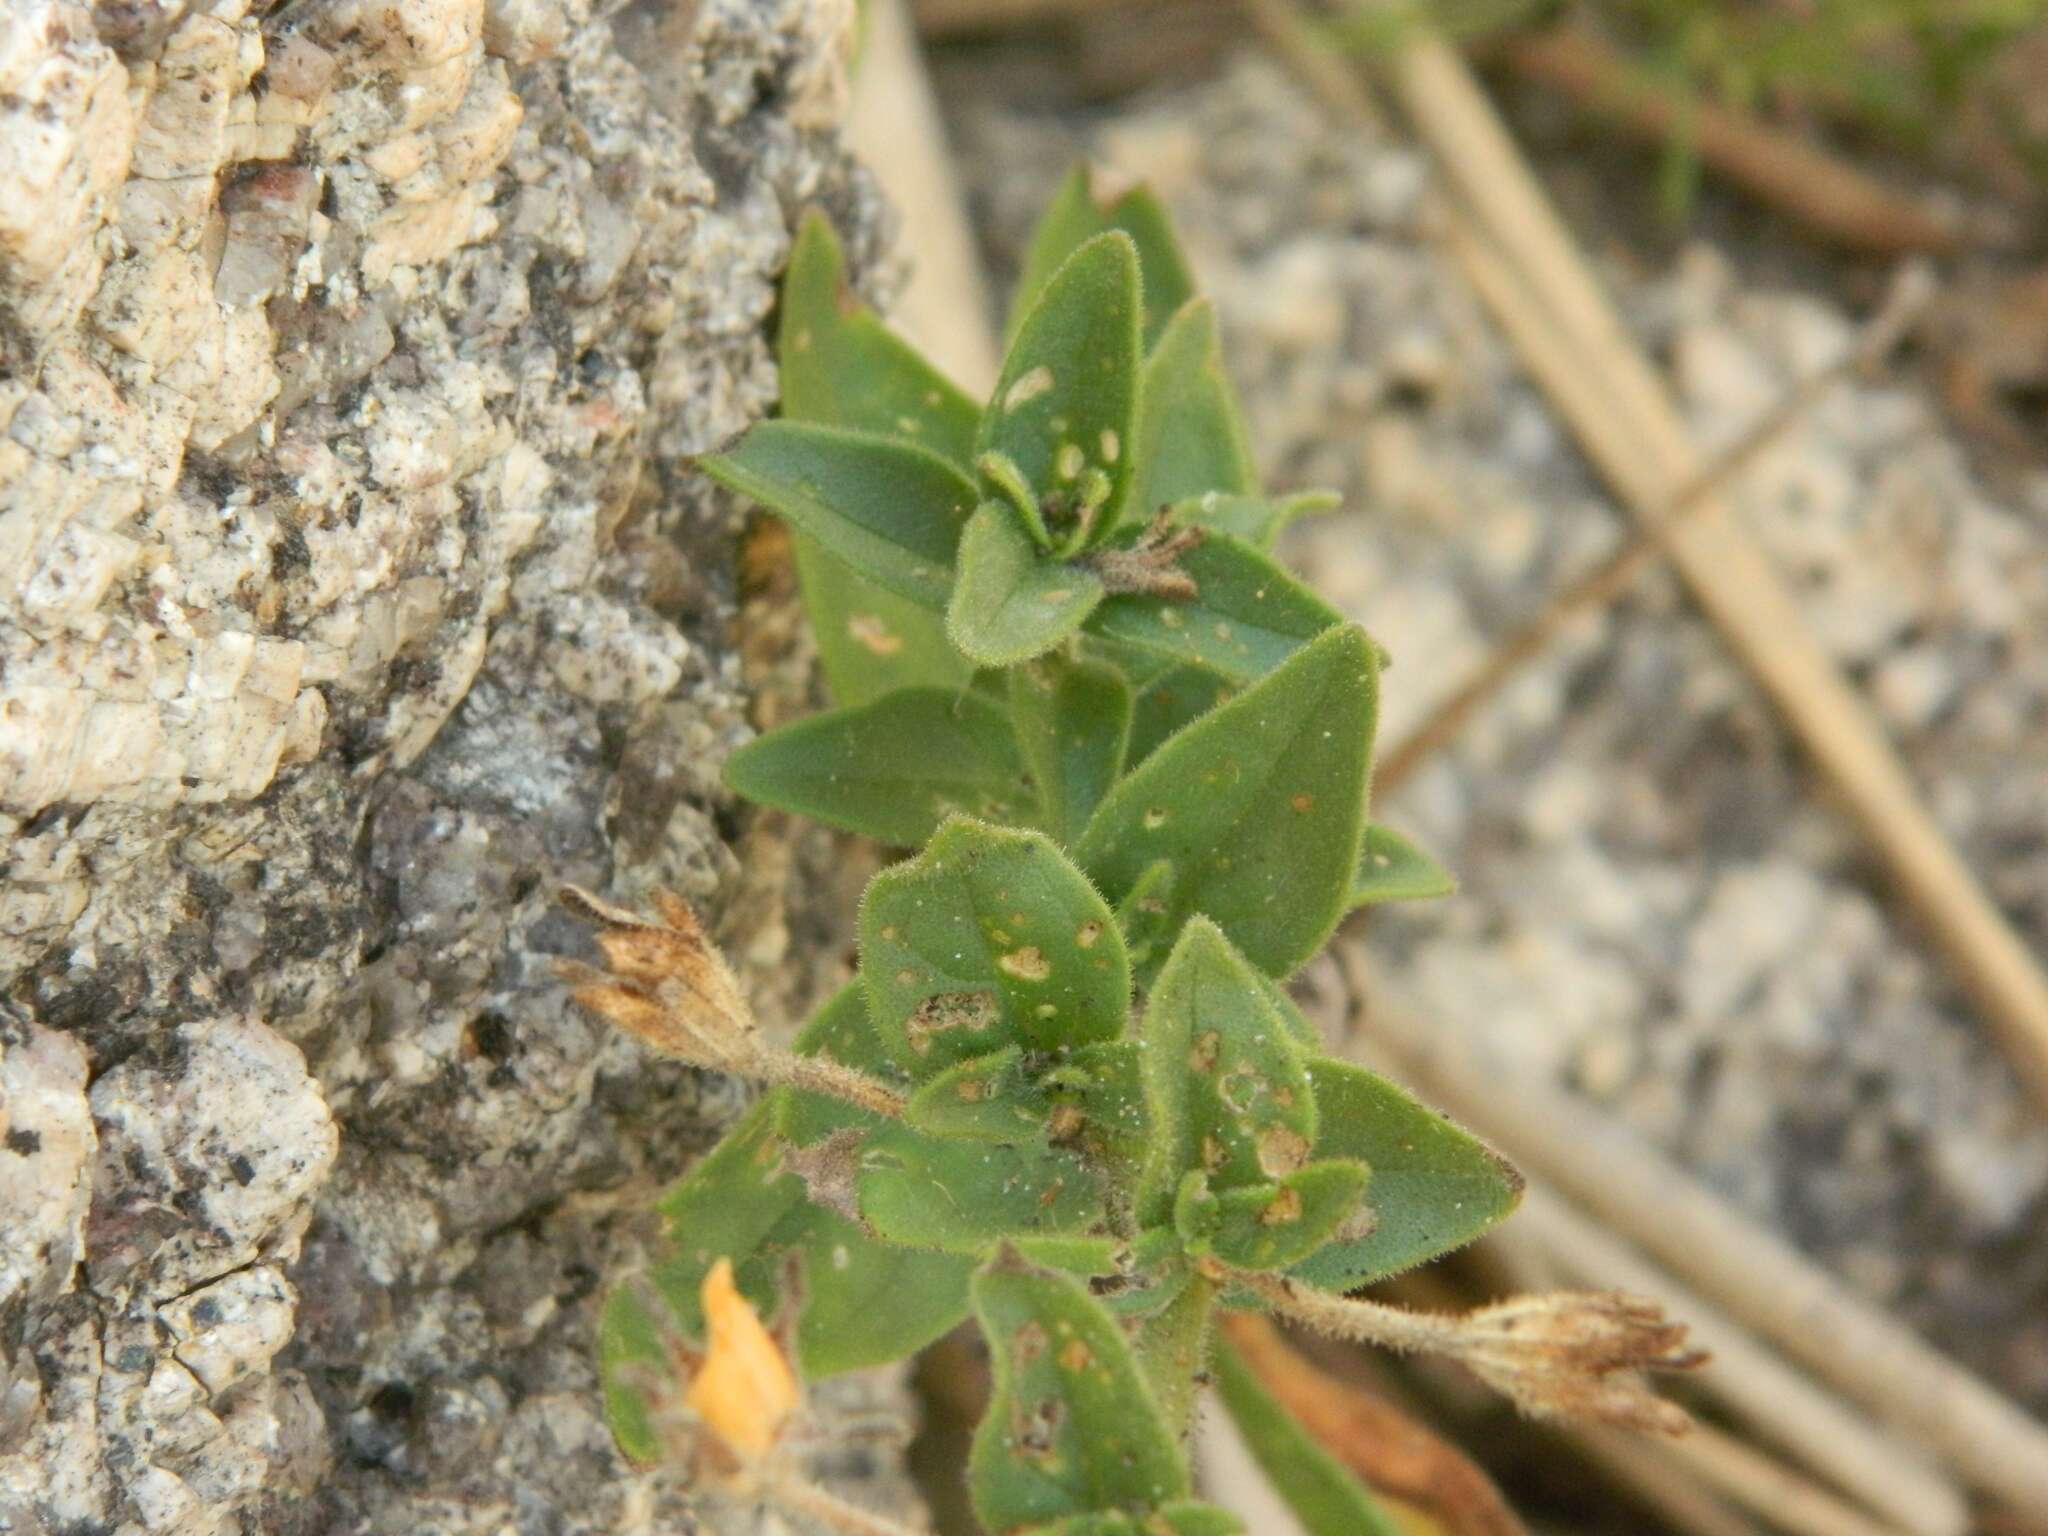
x=821, y=1074
x=1172, y=1348
x=808, y=1499
x=1568, y=1355
x=1345, y=1317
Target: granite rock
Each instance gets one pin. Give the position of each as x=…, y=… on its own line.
x=354, y=590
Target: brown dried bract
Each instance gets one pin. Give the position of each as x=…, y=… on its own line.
x=1151, y=565
x=665, y=981
x=1580, y=1355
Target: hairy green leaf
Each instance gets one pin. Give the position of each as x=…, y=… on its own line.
x=891, y=510
x=1259, y=805
x=990, y=937
x=864, y=1302
x=870, y=641
x=1435, y=1187
x=1270, y=1226
x=1190, y=434
x=1064, y=408
x=1073, y=723
x=1171, y=1345
x=996, y=1097
x=841, y=1030
x=1258, y=520
x=1146, y=919
x=1324, y=1496
x=1075, y=216
x=1391, y=868
x=966, y=1197
x=1166, y=695
x=893, y=769
x=1248, y=615
x=1071, y=1428
x=1102, y=1085
x=841, y=367
x=1183, y=1517
x=1088, y=1099
x=1011, y=600
x=1226, y=1089
x=633, y=1366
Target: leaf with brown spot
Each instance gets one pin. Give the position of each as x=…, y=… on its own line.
x=1072, y=1428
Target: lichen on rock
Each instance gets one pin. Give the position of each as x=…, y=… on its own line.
x=354, y=589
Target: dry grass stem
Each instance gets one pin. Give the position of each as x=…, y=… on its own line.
x=1526, y=267
x=1867, y=1355
x=1832, y=198
x=1749, y=1380
x=1608, y=579
x=1390, y=1451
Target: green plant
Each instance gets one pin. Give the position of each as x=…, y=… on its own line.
x=1135, y=754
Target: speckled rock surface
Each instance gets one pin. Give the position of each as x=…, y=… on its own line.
x=353, y=590
x=1660, y=908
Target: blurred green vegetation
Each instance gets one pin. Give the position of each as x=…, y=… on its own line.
x=1907, y=76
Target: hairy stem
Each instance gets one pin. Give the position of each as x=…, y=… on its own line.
x=828, y=1509
x=1172, y=1347
x=1570, y=1354
x=821, y=1074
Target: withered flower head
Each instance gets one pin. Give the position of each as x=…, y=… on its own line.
x=665, y=981
x=1580, y=1355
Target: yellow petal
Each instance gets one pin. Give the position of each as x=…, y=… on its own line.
x=744, y=1391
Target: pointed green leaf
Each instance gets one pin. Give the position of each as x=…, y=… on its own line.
x=870, y=641
x=995, y=1097
x=990, y=937
x=967, y=1197
x=1089, y=1099
x=1391, y=868
x=1324, y=1496
x=1172, y=1345
x=1259, y=805
x=1146, y=918
x=864, y=1302
x=1011, y=600
x=634, y=1368
x=893, y=769
x=841, y=367
x=1435, y=1187
x=1226, y=1089
x=1103, y=1086
x=1183, y=1517
x=1073, y=724
x=1190, y=434
x=1066, y=401
x=729, y=1204
x=1166, y=695
x=1188, y=1518
x=869, y=1303
x=1258, y=520
x=1305, y=1034
x=1076, y=215
x=1072, y=1428
x=1270, y=1226
x=891, y=510
x=841, y=1030
x=1248, y=615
